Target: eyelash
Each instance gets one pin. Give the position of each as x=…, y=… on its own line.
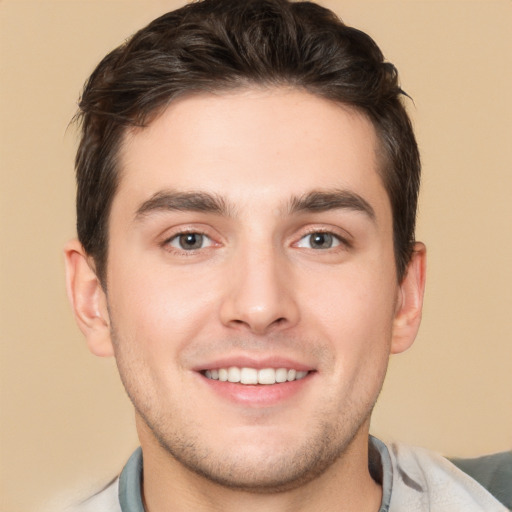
x=167, y=243
x=342, y=242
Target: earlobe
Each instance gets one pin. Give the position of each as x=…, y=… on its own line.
x=410, y=301
x=88, y=300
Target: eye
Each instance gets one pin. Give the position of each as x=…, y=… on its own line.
x=319, y=240
x=190, y=241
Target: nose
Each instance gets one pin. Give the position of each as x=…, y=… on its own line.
x=259, y=297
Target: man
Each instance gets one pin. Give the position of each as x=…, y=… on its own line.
x=247, y=188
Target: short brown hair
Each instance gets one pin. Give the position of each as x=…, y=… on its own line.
x=226, y=44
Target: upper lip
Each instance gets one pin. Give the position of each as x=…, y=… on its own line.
x=245, y=361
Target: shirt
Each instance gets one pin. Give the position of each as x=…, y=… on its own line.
x=412, y=479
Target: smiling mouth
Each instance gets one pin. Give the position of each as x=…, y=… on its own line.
x=252, y=376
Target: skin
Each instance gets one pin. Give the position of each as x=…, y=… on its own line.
x=256, y=289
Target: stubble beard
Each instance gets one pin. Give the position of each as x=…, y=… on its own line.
x=293, y=467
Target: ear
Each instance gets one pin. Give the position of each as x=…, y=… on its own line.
x=410, y=301
x=88, y=300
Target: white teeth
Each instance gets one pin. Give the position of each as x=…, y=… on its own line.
x=281, y=375
x=233, y=374
x=249, y=376
x=254, y=376
x=267, y=376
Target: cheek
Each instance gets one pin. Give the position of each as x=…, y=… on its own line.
x=359, y=301
x=353, y=310
x=159, y=309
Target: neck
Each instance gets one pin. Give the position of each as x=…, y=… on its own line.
x=343, y=486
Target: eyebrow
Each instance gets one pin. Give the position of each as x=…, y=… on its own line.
x=325, y=200
x=183, y=201
x=316, y=201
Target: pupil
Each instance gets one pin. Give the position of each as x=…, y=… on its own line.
x=321, y=240
x=191, y=241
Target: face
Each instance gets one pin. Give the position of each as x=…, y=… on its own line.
x=252, y=293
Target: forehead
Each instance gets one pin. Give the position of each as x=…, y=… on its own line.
x=267, y=142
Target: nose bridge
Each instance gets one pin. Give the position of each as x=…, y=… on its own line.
x=259, y=296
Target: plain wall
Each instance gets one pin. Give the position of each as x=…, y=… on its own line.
x=65, y=421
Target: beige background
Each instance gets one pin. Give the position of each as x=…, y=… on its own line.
x=65, y=420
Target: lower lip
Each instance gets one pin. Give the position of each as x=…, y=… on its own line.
x=261, y=395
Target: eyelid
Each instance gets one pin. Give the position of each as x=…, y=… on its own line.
x=336, y=241
x=174, y=233
x=343, y=238
x=177, y=236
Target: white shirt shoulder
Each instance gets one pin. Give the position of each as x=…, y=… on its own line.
x=425, y=481
x=106, y=500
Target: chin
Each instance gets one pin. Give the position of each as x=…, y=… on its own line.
x=259, y=465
